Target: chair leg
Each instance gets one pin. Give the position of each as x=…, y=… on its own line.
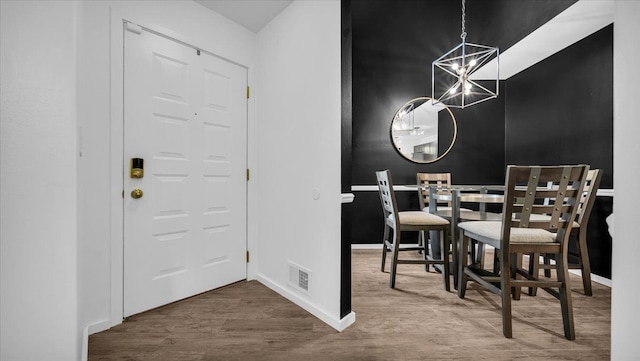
x=394, y=259
x=462, y=263
x=547, y=262
x=384, y=246
x=444, y=246
x=534, y=270
x=455, y=251
x=565, y=297
x=516, y=263
x=422, y=242
x=505, y=286
x=472, y=252
x=480, y=255
x=584, y=262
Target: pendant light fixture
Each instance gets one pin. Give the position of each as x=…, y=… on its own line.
x=452, y=75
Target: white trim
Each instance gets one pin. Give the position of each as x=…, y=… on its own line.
x=85, y=344
x=117, y=154
x=348, y=197
x=338, y=324
x=403, y=188
x=100, y=326
x=347, y=321
x=604, y=193
x=594, y=278
x=366, y=246
x=413, y=188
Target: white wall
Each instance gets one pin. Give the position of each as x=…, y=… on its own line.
x=625, y=292
x=38, y=248
x=299, y=159
x=99, y=74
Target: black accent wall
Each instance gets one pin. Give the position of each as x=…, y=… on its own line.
x=393, y=45
x=560, y=111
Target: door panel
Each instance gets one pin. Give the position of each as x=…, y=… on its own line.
x=185, y=115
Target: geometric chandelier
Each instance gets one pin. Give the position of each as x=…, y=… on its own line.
x=452, y=75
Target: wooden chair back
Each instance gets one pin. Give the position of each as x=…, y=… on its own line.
x=431, y=179
x=527, y=193
x=591, y=185
x=387, y=196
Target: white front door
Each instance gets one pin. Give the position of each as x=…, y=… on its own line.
x=185, y=116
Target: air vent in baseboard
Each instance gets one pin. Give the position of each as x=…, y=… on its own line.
x=299, y=277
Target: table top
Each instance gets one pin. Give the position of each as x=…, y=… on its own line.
x=465, y=193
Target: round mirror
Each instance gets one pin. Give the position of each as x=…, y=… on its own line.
x=423, y=130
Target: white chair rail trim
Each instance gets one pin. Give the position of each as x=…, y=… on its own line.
x=349, y=197
x=412, y=188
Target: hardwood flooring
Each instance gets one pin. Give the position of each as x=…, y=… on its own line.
x=416, y=321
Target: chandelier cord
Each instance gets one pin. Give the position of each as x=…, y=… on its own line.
x=463, y=35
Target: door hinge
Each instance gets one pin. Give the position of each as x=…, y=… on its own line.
x=247, y=256
x=248, y=174
x=248, y=92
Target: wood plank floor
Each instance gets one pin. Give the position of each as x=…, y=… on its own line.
x=416, y=321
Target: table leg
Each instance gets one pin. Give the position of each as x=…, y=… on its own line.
x=434, y=236
x=455, y=215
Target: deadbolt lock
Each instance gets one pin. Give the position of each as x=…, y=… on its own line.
x=137, y=168
x=136, y=193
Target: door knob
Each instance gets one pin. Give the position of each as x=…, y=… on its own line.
x=136, y=193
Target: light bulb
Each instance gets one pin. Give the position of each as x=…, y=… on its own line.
x=455, y=66
x=473, y=62
x=453, y=90
x=468, y=86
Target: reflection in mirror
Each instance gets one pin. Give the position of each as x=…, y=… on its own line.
x=423, y=130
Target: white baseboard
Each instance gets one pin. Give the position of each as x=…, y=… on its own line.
x=100, y=326
x=338, y=324
x=85, y=344
x=367, y=246
x=594, y=277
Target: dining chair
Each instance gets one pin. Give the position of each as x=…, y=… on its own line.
x=520, y=232
x=425, y=180
x=396, y=222
x=578, y=236
x=443, y=180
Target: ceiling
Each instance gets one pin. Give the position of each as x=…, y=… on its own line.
x=578, y=21
x=252, y=14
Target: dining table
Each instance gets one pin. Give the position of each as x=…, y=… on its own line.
x=456, y=195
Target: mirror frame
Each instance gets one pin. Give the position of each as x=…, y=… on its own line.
x=453, y=139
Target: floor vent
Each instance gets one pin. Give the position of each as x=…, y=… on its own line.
x=299, y=277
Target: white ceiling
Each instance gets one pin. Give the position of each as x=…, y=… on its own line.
x=577, y=22
x=252, y=14
x=580, y=20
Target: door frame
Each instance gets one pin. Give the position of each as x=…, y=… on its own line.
x=117, y=33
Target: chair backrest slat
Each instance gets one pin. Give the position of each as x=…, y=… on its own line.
x=588, y=198
x=553, y=192
x=425, y=180
x=387, y=197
